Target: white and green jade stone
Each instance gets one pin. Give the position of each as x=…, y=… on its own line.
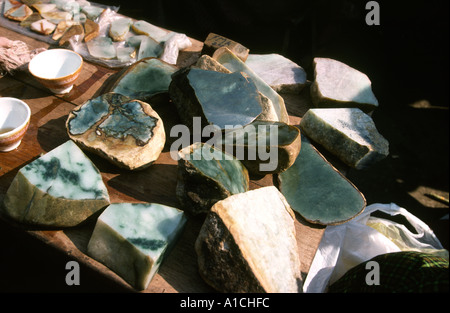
x=132, y=239
x=61, y=188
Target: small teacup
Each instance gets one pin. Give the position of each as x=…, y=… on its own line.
x=14, y=121
x=56, y=69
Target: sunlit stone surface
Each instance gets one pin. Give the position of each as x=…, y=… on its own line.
x=337, y=85
x=132, y=239
x=128, y=133
x=247, y=244
x=278, y=72
x=61, y=188
x=348, y=133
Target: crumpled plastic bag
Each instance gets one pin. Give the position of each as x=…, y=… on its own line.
x=345, y=246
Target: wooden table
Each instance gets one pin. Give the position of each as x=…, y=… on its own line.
x=179, y=272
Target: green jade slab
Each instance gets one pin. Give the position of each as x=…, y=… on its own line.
x=348, y=133
x=223, y=100
x=207, y=175
x=133, y=239
x=61, y=188
x=144, y=79
x=318, y=191
x=279, y=113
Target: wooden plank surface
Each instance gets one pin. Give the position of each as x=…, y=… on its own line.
x=179, y=273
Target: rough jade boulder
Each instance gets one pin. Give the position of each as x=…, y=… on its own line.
x=133, y=239
x=207, y=175
x=348, y=133
x=62, y=188
x=144, y=79
x=219, y=99
x=337, y=85
x=263, y=147
x=127, y=133
x=318, y=191
x=247, y=243
x=280, y=73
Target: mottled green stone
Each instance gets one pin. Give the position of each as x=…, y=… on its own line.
x=234, y=64
x=318, y=191
x=220, y=99
x=348, y=133
x=264, y=147
x=133, y=239
x=61, y=188
x=144, y=79
x=207, y=175
x=337, y=85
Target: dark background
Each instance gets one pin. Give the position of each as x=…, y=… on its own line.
x=406, y=58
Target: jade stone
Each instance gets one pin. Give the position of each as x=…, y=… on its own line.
x=319, y=192
x=207, y=175
x=280, y=73
x=129, y=133
x=133, y=239
x=337, y=85
x=144, y=79
x=225, y=57
x=220, y=99
x=263, y=147
x=61, y=188
x=148, y=48
x=348, y=133
x=129, y=120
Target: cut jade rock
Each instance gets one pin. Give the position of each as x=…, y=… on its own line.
x=128, y=133
x=337, y=85
x=277, y=110
x=280, y=73
x=223, y=100
x=263, y=147
x=133, y=239
x=247, y=244
x=207, y=175
x=144, y=79
x=318, y=191
x=60, y=189
x=348, y=133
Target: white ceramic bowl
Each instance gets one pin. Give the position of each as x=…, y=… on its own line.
x=14, y=121
x=56, y=69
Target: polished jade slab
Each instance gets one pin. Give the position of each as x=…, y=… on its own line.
x=226, y=99
x=145, y=79
x=318, y=191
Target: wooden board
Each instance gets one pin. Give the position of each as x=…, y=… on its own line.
x=179, y=272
